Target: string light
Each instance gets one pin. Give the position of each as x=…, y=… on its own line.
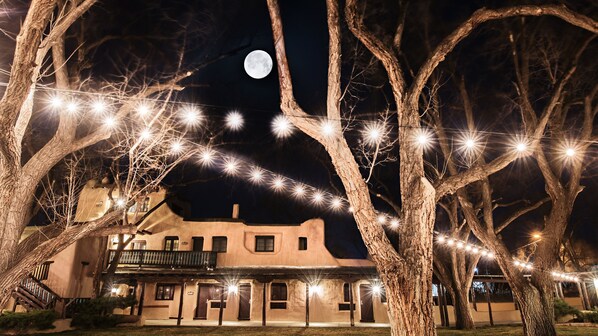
x=190, y=116
x=278, y=183
x=318, y=198
x=98, y=106
x=234, y=120
x=570, y=152
x=327, y=127
x=145, y=134
x=282, y=126
x=381, y=219
x=373, y=132
x=206, y=157
x=394, y=223
x=143, y=109
x=110, y=122
x=423, y=138
x=299, y=191
x=336, y=204
x=176, y=147
x=72, y=106
x=55, y=102
x=231, y=166
x=256, y=175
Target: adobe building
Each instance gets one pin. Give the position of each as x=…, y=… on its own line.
x=219, y=270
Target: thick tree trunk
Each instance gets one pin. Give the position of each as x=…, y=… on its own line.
x=463, y=316
x=537, y=312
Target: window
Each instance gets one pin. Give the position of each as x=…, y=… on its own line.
x=302, y=243
x=197, y=244
x=138, y=244
x=264, y=243
x=145, y=205
x=278, y=292
x=41, y=271
x=171, y=243
x=346, y=293
x=164, y=292
x=214, y=296
x=219, y=244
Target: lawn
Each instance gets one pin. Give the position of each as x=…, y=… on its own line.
x=277, y=331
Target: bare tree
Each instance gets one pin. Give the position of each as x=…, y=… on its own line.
x=407, y=271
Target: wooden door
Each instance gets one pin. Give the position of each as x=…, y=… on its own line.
x=201, y=312
x=244, y=302
x=366, y=304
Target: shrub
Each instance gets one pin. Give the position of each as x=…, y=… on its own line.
x=36, y=319
x=591, y=317
x=97, y=313
x=562, y=308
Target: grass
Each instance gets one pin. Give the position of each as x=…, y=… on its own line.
x=277, y=331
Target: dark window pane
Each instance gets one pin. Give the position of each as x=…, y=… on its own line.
x=302, y=243
x=346, y=296
x=278, y=291
x=219, y=244
x=171, y=243
x=264, y=243
x=164, y=292
x=198, y=244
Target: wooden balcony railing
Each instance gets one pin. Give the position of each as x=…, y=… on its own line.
x=157, y=258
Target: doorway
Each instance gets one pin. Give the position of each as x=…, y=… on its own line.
x=201, y=312
x=245, y=302
x=366, y=304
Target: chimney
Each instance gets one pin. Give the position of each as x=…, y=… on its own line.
x=235, y=211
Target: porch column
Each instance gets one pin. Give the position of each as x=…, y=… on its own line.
x=264, y=290
x=488, y=301
x=180, y=316
x=132, y=312
x=141, y=298
x=582, y=295
x=351, y=304
x=441, y=306
x=221, y=309
x=307, y=304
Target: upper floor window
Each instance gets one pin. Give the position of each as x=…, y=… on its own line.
x=302, y=243
x=264, y=243
x=278, y=292
x=219, y=244
x=171, y=243
x=197, y=244
x=138, y=244
x=164, y=292
x=141, y=206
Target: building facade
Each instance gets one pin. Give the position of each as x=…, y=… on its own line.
x=222, y=270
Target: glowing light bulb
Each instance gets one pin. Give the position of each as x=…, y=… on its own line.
x=441, y=239
x=234, y=121
x=475, y=250
x=516, y=263
x=376, y=289
x=336, y=203
x=490, y=255
x=206, y=157
x=145, y=134
x=143, y=109
x=98, y=106
x=55, y=102
x=521, y=147
x=351, y=210
x=468, y=247
x=231, y=166
x=381, y=219
x=299, y=191
x=450, y=242
x=570, y=152
x=282, y=126
x=191, y=116
x=327, y=127
x=233, y=289
x=373, y=133
x=176, y=147
x=256, y=175
x=121, y=202
x=315, y=289
x=113, y=290
x=278, y=183
x=318, y=198
x=72, y=106
x=110, y=122
x=459, y=245
x=394, y=223
x=423, y=138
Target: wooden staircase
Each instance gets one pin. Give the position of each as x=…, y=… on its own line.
x=32, y=294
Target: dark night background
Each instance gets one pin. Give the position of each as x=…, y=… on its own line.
x=153, y=31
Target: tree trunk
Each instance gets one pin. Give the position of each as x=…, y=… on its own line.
x=537, y=312
x=463, y=316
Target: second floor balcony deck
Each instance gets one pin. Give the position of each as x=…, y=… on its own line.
x=166, y=259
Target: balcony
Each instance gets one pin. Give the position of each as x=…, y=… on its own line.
x=167, y=259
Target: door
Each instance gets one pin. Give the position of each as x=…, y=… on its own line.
x=244, y=301
x=198, y=244
x=367, y=308
x=201, y=312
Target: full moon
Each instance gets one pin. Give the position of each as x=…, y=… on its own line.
x=258, y=64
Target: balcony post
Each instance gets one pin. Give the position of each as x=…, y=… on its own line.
x=306, y=304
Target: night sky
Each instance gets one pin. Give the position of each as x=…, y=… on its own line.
x=153, y=31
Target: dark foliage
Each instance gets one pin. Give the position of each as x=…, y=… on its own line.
x=37, y=319
x=98, y=313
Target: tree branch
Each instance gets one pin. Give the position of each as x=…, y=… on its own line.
x=520, y=213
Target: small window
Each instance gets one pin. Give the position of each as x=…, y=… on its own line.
x=346, y=293
x=171, y=243
x=164, y=292
x=219, y=244
x=345, y=306
x=278, y=291
x=302, y=243
x=145, y=204
x=214, y=292
x=264, y=243
x=197, y=244
x=138, y=244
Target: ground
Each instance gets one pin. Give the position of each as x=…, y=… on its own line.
x=277, y=331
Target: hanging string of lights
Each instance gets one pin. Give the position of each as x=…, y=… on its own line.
x=191, y=115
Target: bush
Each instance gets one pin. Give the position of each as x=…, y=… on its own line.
x=562, y=308
x=97, y=313
x=591, y=317
x=36, y=319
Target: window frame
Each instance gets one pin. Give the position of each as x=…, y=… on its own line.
x=279, y=303
x=265, y=239
x=221, y=238
x=302, y=243
x=162, y=297
x=173, y=239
